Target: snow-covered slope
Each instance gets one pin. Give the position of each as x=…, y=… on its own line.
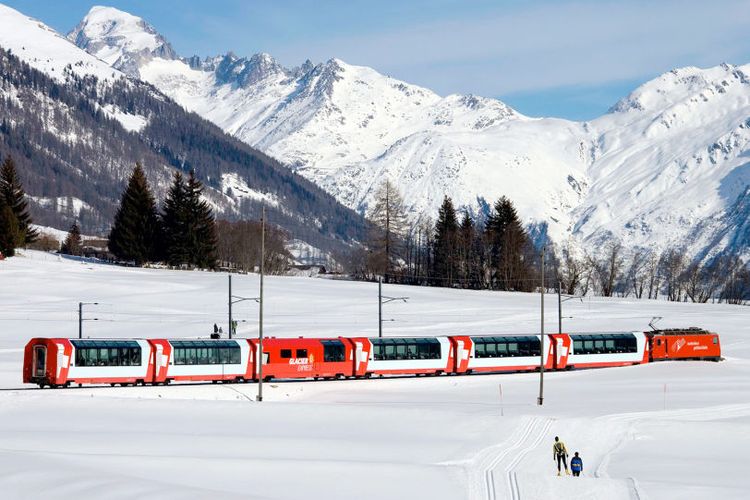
x=44, y=49
x=666, y=166
x=670, y=162
x=76, y=126
x=658, y=431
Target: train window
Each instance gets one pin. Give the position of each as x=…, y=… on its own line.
x=479, y=350
x=413, y=348
x=286, y=353
x=333, y=351
x=578, y=346
x=301, y=353
x=390, y=352
x=513, y=348
x=716, y=340
x=604, y=343
x=491, y=350
x=401, y=351
x=107, y=353
x=206, y=352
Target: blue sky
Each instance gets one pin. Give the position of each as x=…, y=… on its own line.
x=571, y=59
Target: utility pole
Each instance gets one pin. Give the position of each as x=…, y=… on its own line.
x=559, y=306
x=229, y=302
x=233, y=299
x=380, y=307
x=560, y=300
x=540, y=399
x=384, y=300
x=80, y=316
x=260, y=314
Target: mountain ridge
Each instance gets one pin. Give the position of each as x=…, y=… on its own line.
x=666, y=166
x=76, y=127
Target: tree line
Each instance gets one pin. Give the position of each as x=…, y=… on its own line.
x=496, y=253
x=456, y=250
x=185, y=233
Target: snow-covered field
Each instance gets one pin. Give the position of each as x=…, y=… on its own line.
x=668, y=430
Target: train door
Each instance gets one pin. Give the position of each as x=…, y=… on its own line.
x=40, y=361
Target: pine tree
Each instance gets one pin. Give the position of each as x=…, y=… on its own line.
x=508, y=243
x=202, y=225
x=9, y=230
x=389, y=220
x=136, y=227
x=446, y=244
x=15, y=198
x=468, y=252
x=73, y=245
x=175, y=219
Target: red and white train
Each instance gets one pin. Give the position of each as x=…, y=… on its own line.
x=59, y=362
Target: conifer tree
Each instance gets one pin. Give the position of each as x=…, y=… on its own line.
x=136, y=227
x=73, y=245
x=175, y=220
x=9, y=230
x=468, y=251
x=13, y=194
x=446, y=244
x=202, y=225
x=508, y=242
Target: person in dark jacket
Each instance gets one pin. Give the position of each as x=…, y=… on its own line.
x=560, y=453
x=576, y=465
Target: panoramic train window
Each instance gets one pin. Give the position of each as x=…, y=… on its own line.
x=206, y=352
x=412, y=348
x=606, y=343
x=333, y=351
x=503, y=347
x=107, y=352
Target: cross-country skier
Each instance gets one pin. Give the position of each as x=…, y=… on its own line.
x=560, y=453
x=576, y=465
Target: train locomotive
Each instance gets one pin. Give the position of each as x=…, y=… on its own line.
x=61, y=362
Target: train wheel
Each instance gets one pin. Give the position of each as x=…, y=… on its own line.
x=41, y=385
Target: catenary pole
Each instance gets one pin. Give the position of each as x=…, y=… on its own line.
x=80, y=316
x=230, y=306
x=559, y=306
x=540, y=400
x=260, y=314
x=380, y=307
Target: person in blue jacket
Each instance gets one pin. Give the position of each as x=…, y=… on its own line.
x=576, y=465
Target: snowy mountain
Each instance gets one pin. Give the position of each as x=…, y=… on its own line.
x=666, y=166
x=76, y=127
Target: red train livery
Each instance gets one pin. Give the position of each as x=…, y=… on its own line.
x=59, y=362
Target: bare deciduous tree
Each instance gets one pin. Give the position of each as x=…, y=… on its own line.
x=389, y=228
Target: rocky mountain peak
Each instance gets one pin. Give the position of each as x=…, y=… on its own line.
x=122, y=40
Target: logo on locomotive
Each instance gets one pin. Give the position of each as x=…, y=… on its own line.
x=679, y=344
